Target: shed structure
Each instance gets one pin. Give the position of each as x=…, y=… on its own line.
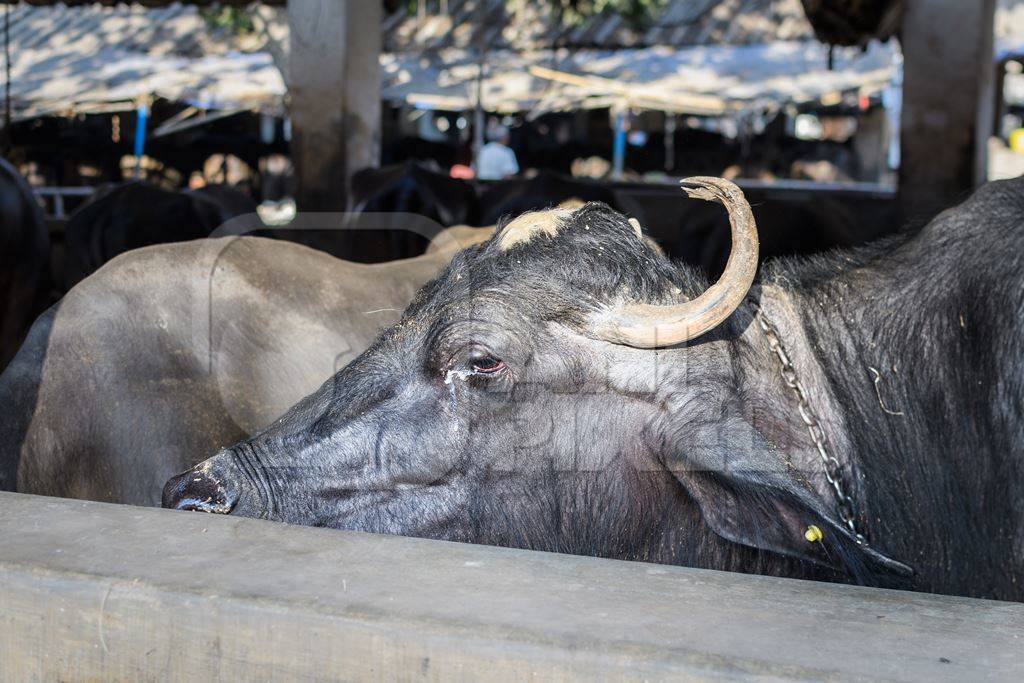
x=947, y=48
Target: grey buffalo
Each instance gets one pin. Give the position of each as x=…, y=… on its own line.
x=169, y=352
x=136, y=214
x=564, y=387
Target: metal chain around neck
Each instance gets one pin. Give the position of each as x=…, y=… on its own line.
x=833, y=468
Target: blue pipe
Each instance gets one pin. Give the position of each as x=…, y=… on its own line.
x=619, y=145
x=141, y=116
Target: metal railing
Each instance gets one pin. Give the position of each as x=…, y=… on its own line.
x=56, y=196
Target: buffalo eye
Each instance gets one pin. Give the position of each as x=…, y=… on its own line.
x=485, y=364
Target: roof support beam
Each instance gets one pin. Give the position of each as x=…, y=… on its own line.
x=334, y=85
x=947, y=102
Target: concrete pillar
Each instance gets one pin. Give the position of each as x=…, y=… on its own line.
x=334, y=85
x=947, y=101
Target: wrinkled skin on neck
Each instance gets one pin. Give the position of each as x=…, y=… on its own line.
x=489, y=415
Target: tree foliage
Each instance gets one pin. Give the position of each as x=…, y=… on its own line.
x=234, y=19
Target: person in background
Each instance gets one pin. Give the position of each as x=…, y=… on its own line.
x=496, y=159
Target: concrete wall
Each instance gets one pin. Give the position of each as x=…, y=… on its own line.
x=91, y=591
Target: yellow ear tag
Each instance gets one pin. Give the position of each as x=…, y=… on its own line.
x=813, y=534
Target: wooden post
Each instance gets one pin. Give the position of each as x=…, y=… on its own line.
x=947, y=102
x=334, y=85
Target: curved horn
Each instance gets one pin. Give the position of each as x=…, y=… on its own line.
x=648, y=326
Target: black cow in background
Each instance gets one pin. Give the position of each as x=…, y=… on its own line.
x=786, y=229
x=137, y=215
x=24, y=260
x=413, y=187
x=543, y=191
x=407, y=188
x=411, y=149
x=789, y=222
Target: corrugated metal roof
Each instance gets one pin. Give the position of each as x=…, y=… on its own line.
x=175, y=29
x=142, y=3
x=525, y=25
x=710, y=80
x=70, y=58
x=67, y=59
x=522, y=24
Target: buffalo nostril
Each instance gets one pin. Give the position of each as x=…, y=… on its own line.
x=197, y=490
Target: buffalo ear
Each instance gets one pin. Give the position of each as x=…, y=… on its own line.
x=747, y=494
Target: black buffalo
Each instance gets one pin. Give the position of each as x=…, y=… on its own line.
x=412, y=187
x=24, y=260
x=564, y=387
x=137, y=214
x=518, y=195
x=389, y=194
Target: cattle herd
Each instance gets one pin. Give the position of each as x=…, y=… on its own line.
x=555, y=382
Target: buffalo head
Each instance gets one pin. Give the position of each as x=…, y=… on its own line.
x=562, y=386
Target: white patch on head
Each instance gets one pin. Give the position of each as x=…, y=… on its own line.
x=636, y=228
x=524, y=228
